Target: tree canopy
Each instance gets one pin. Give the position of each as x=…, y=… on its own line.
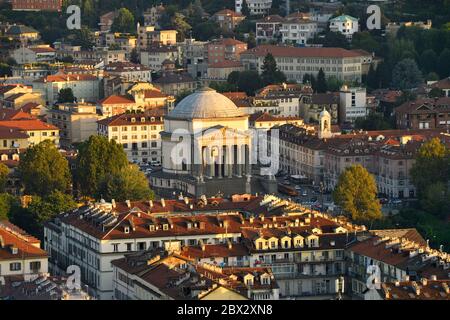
x=43, y=169
x=124, y=22
x=128, y=184
x=66, y=95
x=406, y=75
x=356, y=194
x=270, y=73
x=4, y=172
x=97, y=158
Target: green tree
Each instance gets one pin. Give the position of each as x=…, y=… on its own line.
x=66, y=95
x=180, y=24
x=331, y=39
x=41, y=210
x=128, y=184
x=428, y=61
x=356, y=194
x=373, y=121
x=84, y=38
x=431, y=165
x=444, y=63
x=365, y=41
x=5, y=70
x=321, y=85
x=134, y=56
x=97, y=158
x=436, y=93
x=249, y=81
x=406, y=75
x=124, y=22
x=4, y=172
x=42, y=170
x=334, y=84
x=270, y=73
x=436, y=199
x=371, y=80
x=245, y=10
x=7, y=201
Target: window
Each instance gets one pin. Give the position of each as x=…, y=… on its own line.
x=115, y=247
x=15, y=266
x=129, y=246
x=35, y=265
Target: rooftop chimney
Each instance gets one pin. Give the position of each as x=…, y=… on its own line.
x=433, y=277
x=163, y=202
x=113, y=202
x=128, y=203
x=150, y=203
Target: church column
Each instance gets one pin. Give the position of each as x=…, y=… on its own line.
x=219, y=161
x=239, y=161
x=229, y=164
x=248, y=167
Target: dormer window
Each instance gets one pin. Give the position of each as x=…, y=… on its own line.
x=126, y=229
x=133, y=120
x=151, y=227
x=142, y=119
x=265, y=280
x=165, y=226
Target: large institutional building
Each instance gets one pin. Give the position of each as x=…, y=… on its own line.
x=206, y=147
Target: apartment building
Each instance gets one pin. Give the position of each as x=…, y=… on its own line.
x=84, y=86
x=35, y=54
x=76, y=121
x=36, y=130
x=343, y=153
x=301, y=152
x=129, y=71
x=156, y=55
x=345, y=65
x=352, y=104
x=294, y=29
x=138, y=133
x=115, y=105
x=18, y=100
x=345, y=24
x=400, y=255
x=22, y=33
x=268, y=29
x=20, y=254
x=220, y=50
x=311, y=105
x=228, y=19
x=256, y=7
x=443, y=85
x=426, y=113
x=153, y=15
x=221, y=70
x=148, y=36
x=280, y=99
x=97, y=238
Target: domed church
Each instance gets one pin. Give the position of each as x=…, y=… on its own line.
x=206, y=148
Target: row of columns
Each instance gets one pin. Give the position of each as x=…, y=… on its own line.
x=228, y=161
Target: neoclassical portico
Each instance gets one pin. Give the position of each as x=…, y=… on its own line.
x=206, y=147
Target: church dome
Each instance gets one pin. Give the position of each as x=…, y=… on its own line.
x=205, y=103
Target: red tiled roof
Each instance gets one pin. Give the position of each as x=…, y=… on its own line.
x=68, y=77
x=149, y=94
x=116, y=100
x=10, y=114
x=26, y=245
x=225, y=64
x=42, y=49
x=286, y=51
x=27, y=125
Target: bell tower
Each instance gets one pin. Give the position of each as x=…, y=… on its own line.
x=325, y=125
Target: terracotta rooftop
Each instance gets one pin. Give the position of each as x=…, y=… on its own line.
x=286, y=51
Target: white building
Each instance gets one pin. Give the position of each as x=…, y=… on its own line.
x=91, y=237
x=344, y=24
x=138, y=133
x=129, y=71
x=298, y=31
x=84, y=86
x=345, y=65
x=38, y=54
x=20, y=254
x=352, y=104
x=256, y=7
